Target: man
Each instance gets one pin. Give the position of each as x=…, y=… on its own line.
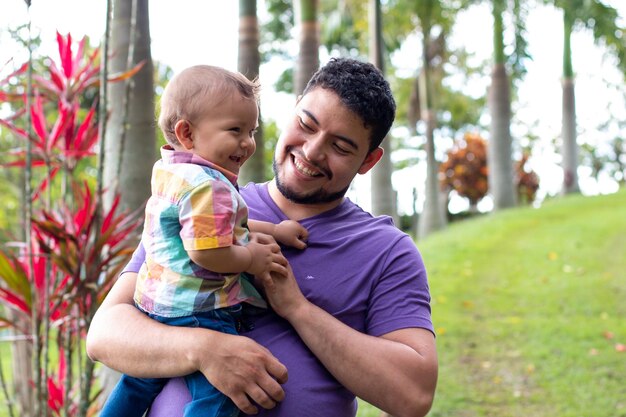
x=351, y=318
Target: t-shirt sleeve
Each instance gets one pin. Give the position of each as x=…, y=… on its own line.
x=207, y=216
x=401, y=297
x=138, y=258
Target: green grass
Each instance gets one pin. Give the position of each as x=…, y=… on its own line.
x=523, y=303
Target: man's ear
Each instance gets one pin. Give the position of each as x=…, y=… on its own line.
x=370, y=160
x=182, y=129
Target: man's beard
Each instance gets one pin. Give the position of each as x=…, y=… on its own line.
x=316, y=197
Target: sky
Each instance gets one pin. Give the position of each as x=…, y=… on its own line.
x=188, y=32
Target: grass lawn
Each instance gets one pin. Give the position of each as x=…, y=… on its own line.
x=530, y=311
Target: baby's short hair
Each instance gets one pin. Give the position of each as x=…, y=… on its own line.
x=191, y=93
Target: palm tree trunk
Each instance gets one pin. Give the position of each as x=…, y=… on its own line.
x=248, y=63
x=432, y=217
x=500, y=163
x=499, y=155
x=384, y=199
x=131, y=138
x=569, y=149
x=309, y=37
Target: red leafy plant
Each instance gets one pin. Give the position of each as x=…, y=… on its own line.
x=52, y=284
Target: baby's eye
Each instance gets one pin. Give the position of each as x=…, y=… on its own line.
x=303, y=125
x=235, y=129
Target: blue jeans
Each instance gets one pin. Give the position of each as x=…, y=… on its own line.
x=132, y=396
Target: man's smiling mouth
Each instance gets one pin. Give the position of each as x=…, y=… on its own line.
x=305, y=169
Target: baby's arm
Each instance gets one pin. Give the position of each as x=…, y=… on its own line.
x=287, y=232
x=256, y=258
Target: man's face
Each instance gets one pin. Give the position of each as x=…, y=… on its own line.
x=321, y=150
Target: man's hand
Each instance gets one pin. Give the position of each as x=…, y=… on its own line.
x=283, y=293
x=291, y=233
x=244, y=371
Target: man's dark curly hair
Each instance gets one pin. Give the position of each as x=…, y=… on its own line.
x=363, y=89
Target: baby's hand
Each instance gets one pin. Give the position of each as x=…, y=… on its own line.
x=291, y=233
x=265, y=256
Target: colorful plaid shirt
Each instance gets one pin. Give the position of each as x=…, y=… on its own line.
x=194, y=205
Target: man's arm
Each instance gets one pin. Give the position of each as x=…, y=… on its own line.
x=396, y=372
x=125, y=339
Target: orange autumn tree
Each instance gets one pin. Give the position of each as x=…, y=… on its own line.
x=465, y=171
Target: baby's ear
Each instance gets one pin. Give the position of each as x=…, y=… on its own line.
x=183, y=132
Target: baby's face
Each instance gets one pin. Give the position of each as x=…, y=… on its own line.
x=225, y=136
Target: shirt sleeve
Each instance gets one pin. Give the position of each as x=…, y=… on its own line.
x=138, y=258
x=207, y=216
x=401, y=297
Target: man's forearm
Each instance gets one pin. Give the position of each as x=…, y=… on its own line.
x=125, y=339
x=396, y=372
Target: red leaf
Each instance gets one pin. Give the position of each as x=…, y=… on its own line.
x=57, y=77
x=79, y=54
x=65, y=115
x=39, y=120
x=83, y=129
x=65, y=53
x=19, y=131
x=44, y=184
x=55, y=395
x=21, y=70
x=12, y=299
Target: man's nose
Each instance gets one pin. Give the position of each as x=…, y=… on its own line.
x=314, y=148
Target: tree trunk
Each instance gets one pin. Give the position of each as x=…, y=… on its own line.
x=432, y=217
x=499, y=150
x=568, y=135
x=309, y=39
x=248, y=63
x=130, y=138
x=569, y=150
x=383, y=195
x=499, y=155
x=130, y=142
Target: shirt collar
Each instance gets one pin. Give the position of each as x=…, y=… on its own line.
x=171, y=156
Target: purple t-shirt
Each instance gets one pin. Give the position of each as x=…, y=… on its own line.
x=357, y=267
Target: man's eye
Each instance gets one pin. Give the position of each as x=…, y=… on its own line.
x=341, y=149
